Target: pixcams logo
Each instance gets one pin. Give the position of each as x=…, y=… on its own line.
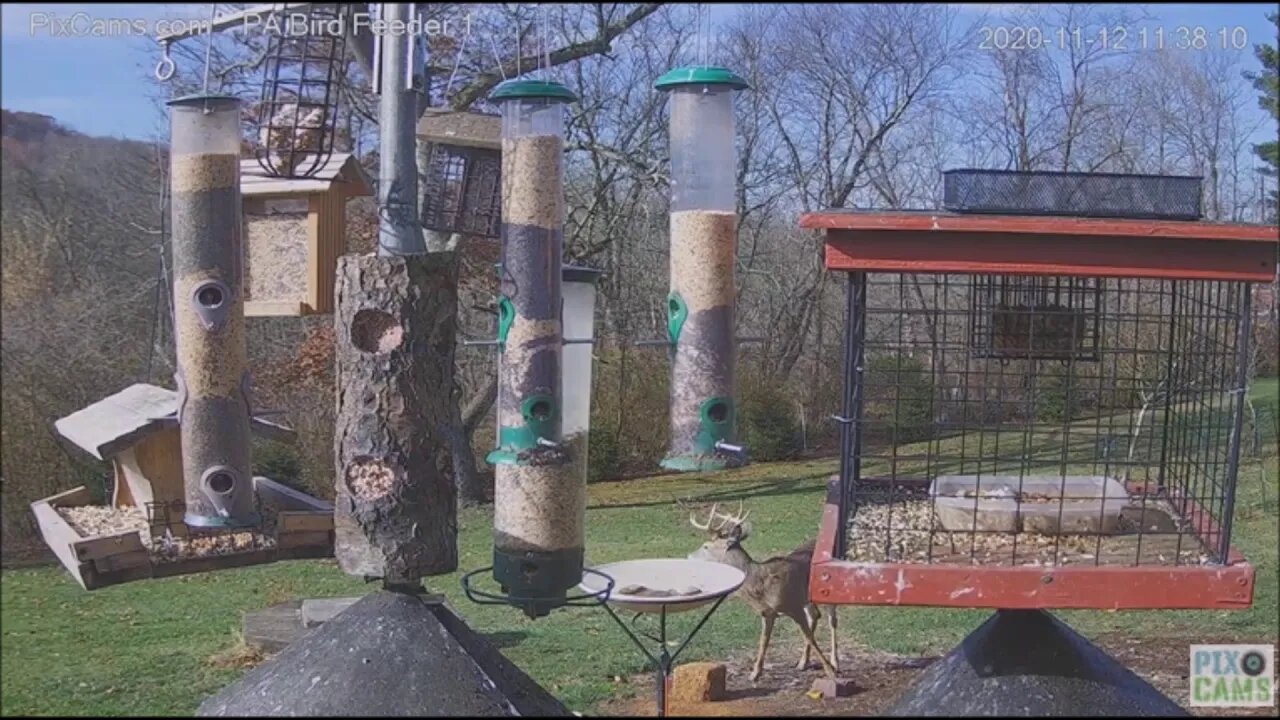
x=1233, y=675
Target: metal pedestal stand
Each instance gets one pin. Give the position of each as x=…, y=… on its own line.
x=1027, y=663
x=714, y=583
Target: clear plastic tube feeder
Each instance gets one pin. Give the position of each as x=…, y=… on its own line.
x=539, y=501
x=213, y=382
x=700, y=306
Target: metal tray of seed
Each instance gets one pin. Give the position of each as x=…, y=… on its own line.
x=650, y=585
x=1050, y=505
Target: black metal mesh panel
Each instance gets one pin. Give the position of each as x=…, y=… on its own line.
x=1124, y=455
x=462, y=187
x=1029, y=317
x=1078, y=194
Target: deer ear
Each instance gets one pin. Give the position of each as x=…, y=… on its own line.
x=741, y=531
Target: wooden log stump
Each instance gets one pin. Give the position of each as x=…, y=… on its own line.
x=395, y=511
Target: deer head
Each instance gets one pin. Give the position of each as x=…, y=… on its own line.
x=726, y=535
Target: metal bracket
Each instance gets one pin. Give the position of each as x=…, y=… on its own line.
x=498, y=343
x=182, y=394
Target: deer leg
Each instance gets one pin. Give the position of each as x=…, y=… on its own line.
x=811, y=615
x=808, y=638
x=766, y=630
x=835, y=650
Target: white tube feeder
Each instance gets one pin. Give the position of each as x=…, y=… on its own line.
x=578, y=289
x=700, y=306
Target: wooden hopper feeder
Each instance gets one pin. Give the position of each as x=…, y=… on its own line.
x=295, y=229
x=462, y=172
x=140, y=533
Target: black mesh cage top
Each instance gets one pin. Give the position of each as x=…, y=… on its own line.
x=1076, y=194
x=297, y=112
x=999, y=420
x=462, y=190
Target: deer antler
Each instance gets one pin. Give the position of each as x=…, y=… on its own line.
x=706, y=525
x=735, y=520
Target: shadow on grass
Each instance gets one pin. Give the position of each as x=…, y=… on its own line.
x=770, y=488
x=506, y=638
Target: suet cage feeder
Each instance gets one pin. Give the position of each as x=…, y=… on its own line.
x=461, y=172
x=297, y=111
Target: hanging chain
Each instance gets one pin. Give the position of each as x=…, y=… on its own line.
x=457, y=61
x=208, y=50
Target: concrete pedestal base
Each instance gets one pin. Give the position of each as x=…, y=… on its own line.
x=1027, y=663
x=390, y=654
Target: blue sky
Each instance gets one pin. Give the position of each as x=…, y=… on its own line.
x=101, y=85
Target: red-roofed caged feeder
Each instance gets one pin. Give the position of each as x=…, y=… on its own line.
x=1039, y=413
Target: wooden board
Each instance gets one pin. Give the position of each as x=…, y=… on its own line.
x=59, y=536
x=270, y=308
x=151, y=470
x=113, y=559
x=939, y=242
x=302, y=539
x=101, y=546
x=833, y=581
x=293, y=521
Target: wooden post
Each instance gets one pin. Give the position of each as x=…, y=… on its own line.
x=395, y=511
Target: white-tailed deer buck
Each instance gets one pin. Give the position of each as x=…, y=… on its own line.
x=777, y=586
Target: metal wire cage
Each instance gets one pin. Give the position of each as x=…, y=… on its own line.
x=1035, y=318
x=1115, y=444
x=462, y=172
x=463, y=190
x=297, y=112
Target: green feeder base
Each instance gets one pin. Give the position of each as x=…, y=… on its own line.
x=537, y=582
x=698, y=463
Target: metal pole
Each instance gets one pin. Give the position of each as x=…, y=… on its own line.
x=398, y=229
x=851, y=412
x=1233, y=452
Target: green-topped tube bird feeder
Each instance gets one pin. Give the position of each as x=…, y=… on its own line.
x=539, y=502
x=700, y=306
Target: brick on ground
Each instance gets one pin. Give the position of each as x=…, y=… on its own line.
x=698, y=682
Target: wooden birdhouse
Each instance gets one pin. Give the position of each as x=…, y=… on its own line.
x=136, y=430
x=140, y=532
x=294, y=231
x=462, y=174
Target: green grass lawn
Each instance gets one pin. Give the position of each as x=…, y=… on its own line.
x=144, y=648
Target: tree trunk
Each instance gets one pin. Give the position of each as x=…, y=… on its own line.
x=395, y=508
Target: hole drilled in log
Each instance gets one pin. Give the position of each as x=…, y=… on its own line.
x=374, y=331
x=369, y=479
